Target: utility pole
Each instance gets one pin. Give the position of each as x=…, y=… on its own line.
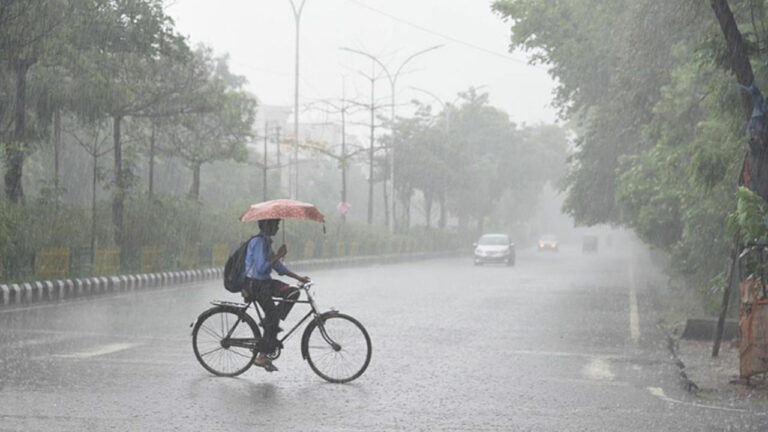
x=266, y=139
x=297, y=20
x=279, y=168
x=392, y=77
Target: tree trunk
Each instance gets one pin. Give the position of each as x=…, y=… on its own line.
x=407, y=211
x=15, y=152
x=93, y=204
x=119, y=192
x=370, y=162
x=428, y=208
x=737, y=50
x=194, y=190
x=386, y=200
x=384, y=190
x=151, y=161
x=441, y=199
x=56, y=148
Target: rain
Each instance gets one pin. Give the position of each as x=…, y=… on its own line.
x=508, y=215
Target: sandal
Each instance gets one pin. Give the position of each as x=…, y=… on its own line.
x=266, y=364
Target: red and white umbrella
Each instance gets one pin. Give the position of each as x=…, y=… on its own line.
x=282, y=209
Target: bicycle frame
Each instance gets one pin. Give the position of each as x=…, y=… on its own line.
x=313, y=312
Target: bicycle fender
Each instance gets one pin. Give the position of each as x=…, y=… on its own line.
x=308, y=330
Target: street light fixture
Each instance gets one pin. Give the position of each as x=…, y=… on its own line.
x=392, y=78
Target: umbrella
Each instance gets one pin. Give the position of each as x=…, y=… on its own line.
x=282, y=209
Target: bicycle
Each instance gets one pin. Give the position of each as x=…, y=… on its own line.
x=336, y=346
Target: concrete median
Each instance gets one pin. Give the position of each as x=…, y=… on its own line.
x=58, y=290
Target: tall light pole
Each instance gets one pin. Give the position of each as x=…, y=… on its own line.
x=392, y=77
x=297, y=19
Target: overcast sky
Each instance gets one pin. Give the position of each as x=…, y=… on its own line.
x=259, y=37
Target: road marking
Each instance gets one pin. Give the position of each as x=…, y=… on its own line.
x=94, y=334
x=45, y=340
x=580, y=381
x=634, y=318
x=99, y=351
x=569, y=354
x=659, y=393
x=598, y=369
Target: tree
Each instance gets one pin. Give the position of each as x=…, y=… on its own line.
x=219, y=132
x=140, y=68
x=93, y=137
x=27, y=31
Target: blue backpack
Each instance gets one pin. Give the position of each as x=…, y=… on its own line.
x=234, y=269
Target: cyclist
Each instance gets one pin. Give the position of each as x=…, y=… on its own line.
x=260, y=260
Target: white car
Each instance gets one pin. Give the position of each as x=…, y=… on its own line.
x=494, y=248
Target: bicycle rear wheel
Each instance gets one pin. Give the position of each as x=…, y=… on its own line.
x=339, y=350
x=224, y=341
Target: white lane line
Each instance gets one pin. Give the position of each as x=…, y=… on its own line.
x=107, y=360
x=99, y=351
x=580, y=381
x=569, y=354
x=634, y=318
x=46, y=340
x=659, y=393
x=106, y=334
x=598, y=369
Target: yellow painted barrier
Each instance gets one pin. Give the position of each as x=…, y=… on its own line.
x=326, y=250
x=190, y=257
x=341, y=249
x=51, y=263
x=309, y=249
x=149, y=260
x=106, y=261
x=220, y=254
x=354, y=248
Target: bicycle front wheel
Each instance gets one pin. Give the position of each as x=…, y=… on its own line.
x=338, y=349
x=224, y=341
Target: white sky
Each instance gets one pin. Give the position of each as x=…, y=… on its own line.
x=259, y=37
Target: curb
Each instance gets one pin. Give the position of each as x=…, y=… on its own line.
x=672, y=346
x=57, y=290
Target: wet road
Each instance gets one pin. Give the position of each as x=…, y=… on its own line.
x=559, y=342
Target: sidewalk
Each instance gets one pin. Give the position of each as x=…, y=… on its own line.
x=718, y=378
x=710, y=379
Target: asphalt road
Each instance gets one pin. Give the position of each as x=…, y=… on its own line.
x=559, y=342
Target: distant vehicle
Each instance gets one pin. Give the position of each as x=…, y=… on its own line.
x=494, y=248
x=548, y=243
x=589, y=244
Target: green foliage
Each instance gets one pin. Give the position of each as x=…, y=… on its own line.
x=471, y=155
x=749, y=219
x=660, y=120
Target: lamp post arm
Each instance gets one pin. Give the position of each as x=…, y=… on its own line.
x=412, y=56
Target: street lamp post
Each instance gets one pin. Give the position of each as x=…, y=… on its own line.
x=392, y=77
x=297, y=18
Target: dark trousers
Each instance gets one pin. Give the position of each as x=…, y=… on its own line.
x=262, y=291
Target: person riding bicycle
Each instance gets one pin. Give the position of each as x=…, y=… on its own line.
x=260, y=260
